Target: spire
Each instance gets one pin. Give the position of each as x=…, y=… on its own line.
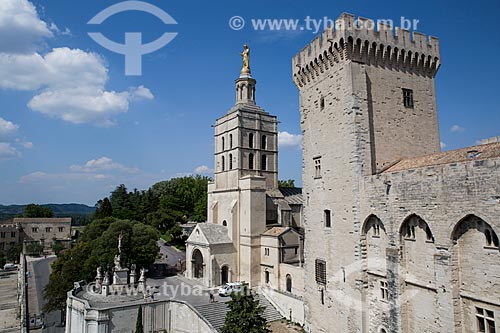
x=245, y=84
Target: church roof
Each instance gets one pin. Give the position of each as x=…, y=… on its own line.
x=293, y=195
x=214, y=233
x=478, y=153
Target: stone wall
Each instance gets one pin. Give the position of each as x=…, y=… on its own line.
x=162, y=316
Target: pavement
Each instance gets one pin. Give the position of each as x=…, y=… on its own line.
x=9, y=314
x=39, y=271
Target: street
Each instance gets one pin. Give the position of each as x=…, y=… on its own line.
x=169, y=254
x=40, y=271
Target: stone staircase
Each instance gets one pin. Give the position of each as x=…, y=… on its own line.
x=215, y=313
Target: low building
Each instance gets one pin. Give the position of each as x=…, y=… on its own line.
x=9, y=235
x=46, y=231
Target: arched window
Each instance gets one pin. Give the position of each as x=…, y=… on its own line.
x=230, y=141
x=224, y=223
x=263, y=143
x=250, y=140
x=197, y=261
x=223, y=142
x=230, y=161
x=289, y=283
x=266, y=274
x=264, y=163
x=223, y=163
x=250, y=161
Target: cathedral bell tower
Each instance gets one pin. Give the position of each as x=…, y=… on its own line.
x=246, y=137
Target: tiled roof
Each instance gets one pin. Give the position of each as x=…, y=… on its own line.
x=42, y=220
x=293, y=195
x=478, y=153
x=215, y=233
x=275, y=231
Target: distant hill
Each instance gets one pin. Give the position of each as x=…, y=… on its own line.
x=76, y=211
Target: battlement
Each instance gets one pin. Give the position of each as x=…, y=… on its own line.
x=366, y=41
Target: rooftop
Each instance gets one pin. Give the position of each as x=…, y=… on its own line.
x=476, y=153
x=293, y=195
x=276, y=231
x=42, y=220
x=215, y=234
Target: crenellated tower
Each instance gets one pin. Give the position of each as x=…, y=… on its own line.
x=367, y=100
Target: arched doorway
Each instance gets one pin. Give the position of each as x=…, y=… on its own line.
x=197, y=261
x=224, y=274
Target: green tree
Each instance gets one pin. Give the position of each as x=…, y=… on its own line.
x=138, y=325
x=66, y=269
x=34, y=249
x=286, y=183
x=97, y=247
x=244, y=315
x=34, y=210
x=103, y=209
x=57, y=247
x=13, y=253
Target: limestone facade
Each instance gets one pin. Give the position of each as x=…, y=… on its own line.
x=398, y=236
x=253, y=227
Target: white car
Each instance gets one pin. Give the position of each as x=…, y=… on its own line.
x=231, y=287
x=9, y=267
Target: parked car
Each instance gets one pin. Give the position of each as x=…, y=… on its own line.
x=231, y=287
x=9, y=267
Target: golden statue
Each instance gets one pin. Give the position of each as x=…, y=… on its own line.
x=246, y=60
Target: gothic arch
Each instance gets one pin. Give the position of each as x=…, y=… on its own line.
x=373, y=222
x=410, y=226
x=472, y=221
x=475, y=263
x=198, y=264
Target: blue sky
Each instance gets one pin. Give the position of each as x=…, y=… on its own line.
x=73, y=126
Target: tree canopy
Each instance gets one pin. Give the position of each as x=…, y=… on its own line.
x=244, y=315
x=34, y=210
x=286, y=183
x=97, y=247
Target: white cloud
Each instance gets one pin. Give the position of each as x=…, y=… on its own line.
x=21, y=30
x=7, y=151
x=457, y=129
x=58, y=178
x=58, y=31
x=7, y=128
x=286, y=139
x=443, y=145
x=70, y=83
x=141, y=92
x=102, y=164
x=203, y=169
x=25, y=144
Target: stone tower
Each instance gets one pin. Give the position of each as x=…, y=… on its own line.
x=367, y=100
x=246, y=166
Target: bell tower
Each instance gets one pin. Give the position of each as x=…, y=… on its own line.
x=246, y=137
x=245, y=169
